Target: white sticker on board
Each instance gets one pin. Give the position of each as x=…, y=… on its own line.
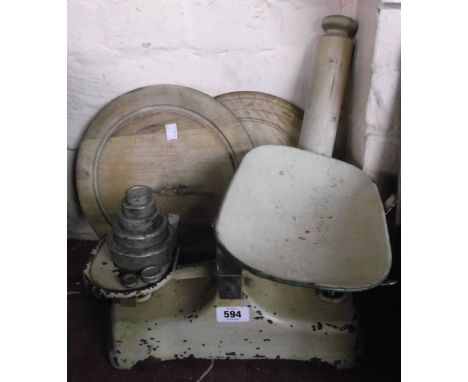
x=232, y=314
x=173, y=219
x=171, y=131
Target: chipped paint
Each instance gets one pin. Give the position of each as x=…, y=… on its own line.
x=182, y=321
x=101, y=276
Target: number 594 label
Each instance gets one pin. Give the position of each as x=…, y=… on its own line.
x=232, y=314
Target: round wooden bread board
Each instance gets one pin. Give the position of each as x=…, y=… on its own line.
x=126, y=144
x=269, y=120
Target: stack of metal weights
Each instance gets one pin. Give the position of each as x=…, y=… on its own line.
x=142, y=243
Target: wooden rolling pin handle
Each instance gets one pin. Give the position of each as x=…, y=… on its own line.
x=323, y=106
x=340, y=25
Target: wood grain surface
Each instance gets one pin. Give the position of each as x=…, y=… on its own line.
x=269, y=120
x=126, y=144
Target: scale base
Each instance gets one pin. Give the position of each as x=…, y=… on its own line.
x=285, y=322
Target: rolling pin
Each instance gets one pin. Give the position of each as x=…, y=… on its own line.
x=322, y=109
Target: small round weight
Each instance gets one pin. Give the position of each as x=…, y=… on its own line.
x=129, y=280
x=150, y=274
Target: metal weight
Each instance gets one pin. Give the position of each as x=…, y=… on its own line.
x=141, y=238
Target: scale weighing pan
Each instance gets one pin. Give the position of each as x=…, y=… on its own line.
x=305, y=219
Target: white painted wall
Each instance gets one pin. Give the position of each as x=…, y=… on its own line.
x=373, y=123
x=216, y=46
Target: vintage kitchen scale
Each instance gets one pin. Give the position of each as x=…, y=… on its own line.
x=222, y=241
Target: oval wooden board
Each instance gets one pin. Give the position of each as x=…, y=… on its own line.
x=269, y=120
x=125, y=145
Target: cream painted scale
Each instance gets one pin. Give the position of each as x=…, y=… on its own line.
x=304, y=228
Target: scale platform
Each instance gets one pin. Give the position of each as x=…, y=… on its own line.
x=185, y=319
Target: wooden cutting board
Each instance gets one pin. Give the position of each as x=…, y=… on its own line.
x=126, y=144
x=269, y=120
